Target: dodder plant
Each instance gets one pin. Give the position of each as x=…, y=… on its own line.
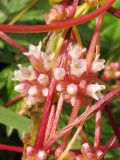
x=62, y=70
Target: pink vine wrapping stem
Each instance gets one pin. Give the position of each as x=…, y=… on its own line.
x=83, y=117
x=113, y=123
x=11, y=148
x=50, y=123
x=114, y=12
x=57, y=115
x=98, y=129
x=95, y=38
x=50, y=97
x=12, y=42
x=57, y=25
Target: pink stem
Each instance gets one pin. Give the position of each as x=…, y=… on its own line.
x=57, y=25
x=14, y=100
x=73, y=115
x=114, y=12
x=50, y=97
x=115, y=146
x=108, y=145
x=113, y=123
x=50, y=123
x=12, y=42
x=11, y=148
x=95, y=38
x=98, y=129
x=57, y=115
x=83, y=117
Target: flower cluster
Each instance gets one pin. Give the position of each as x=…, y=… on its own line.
x=71, y=79
x=34, y=80
x=87, y=152
x=60, y=12
x=112, y=71
x=31, y=154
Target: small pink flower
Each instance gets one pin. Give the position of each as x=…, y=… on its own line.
x=76, y=51
x=94, y=90
x=78, y=67
x=98, y=64
x=25, y=73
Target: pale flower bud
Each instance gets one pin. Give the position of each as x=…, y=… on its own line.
x=59, y=73
x=59, y=88
x=30, y=100
x=29, y=150
x=33, y=91
x=41, y=155
x=45, y=92
x=22, y=87
x=72, y=89
x=43, y=79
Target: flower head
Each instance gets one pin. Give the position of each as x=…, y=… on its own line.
x=78, y=67
x=94, y=90
x=25, y=73
x=34, y=50
x=98, y=64
x=76, y=51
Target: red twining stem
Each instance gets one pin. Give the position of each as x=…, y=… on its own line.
x=57, y=25
x=12, y=42
x=98, y=129
x=113, y=123
x=93, y=43
x=52, y=91
x=14, y=100
x=83, y=117
x=11, y=148
x=114, y=12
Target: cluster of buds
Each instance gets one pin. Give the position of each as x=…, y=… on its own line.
x=34, y=80
x=60, y=12
x=112, y=71
x=71, y=77
x=31, y=154
x=87, y=152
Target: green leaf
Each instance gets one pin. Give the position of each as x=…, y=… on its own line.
x=12, y=119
